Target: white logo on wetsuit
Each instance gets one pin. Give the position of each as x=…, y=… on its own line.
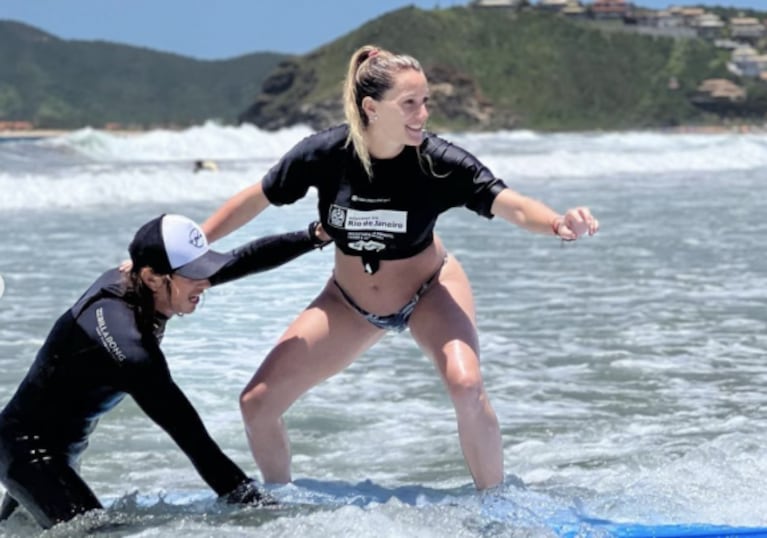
x=106, y=339
x=379, y=220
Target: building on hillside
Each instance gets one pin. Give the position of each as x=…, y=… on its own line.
x=669, y=19
x=688, y=14
x=662, y=24
x=728, y=44
x=709, y=26
x=747, y=62
x=645, y=17
x=747, y=29
x=719, y=90
x=574, y=10
x=610, y=9
x=499, y=3
x=554, y=6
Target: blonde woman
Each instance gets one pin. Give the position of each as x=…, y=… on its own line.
x=382, y=182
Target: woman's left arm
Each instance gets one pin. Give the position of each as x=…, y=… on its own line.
x=538, y=217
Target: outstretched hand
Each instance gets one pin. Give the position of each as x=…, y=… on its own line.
x=575, y=223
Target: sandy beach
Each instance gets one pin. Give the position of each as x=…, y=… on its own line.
x=33, y=133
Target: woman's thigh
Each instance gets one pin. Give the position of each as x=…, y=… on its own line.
x=323, y=340
x=443, y=324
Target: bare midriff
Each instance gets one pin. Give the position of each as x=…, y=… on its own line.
x=393, y=285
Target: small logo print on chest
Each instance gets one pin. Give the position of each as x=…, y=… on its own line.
x=337, y=216
x=381, y=220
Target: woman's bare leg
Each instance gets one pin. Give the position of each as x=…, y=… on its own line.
x=444, y=326
x=323, y=340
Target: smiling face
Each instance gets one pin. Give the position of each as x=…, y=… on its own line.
x=179, y=295
x=398, y=119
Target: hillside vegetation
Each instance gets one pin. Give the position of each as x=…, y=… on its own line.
x=59, y=83
x=523, y=69
x=488, y=69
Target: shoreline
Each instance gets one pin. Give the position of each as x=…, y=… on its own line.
x=50, y=133
x=33, y=133
x=680, y=129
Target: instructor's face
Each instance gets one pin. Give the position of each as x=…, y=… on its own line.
x=180, y=296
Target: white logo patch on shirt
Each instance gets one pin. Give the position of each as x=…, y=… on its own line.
x=380, y=220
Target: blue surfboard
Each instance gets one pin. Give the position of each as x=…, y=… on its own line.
x=688, y=530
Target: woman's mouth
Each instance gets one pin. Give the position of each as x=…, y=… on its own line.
x=415, y=134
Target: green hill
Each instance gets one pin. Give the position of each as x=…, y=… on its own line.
x=58, y=83
x=513, y=69
x=488, y=69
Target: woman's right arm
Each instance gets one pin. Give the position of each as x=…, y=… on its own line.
x=235, y=212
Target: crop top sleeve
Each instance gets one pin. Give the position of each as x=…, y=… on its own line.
x=304, y=165
x=469, y=182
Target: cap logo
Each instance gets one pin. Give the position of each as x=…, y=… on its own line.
x=196, y=239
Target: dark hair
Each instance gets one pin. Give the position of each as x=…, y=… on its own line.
x=139, y=294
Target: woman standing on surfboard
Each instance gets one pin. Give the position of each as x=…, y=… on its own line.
x=382, y=183
x=108, y=345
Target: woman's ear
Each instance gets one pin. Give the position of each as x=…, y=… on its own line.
x=369, y=107
x=151, y=280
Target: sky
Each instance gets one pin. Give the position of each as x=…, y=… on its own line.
x=210, y=30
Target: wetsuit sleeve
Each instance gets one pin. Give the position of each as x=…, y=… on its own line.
x=162, y=400
x=264, y=254
x=471, y=183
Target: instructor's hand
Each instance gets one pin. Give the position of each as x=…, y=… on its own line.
x=248, y=493
x=126, y=266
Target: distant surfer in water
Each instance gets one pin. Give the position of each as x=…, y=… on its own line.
x=108, y=345
x=201, y=166
x=382, y=183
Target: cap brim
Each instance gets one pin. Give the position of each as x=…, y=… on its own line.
x=205, y=266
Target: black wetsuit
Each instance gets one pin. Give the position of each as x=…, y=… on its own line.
x=391, y=215
x=95, y=354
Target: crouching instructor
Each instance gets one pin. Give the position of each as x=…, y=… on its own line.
x=108, y=345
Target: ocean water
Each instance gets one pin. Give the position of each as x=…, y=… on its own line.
x=628, y=370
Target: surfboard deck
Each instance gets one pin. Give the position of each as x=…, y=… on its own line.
x=702, y=530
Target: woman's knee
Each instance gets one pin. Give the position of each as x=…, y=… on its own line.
x=254, y=401
x=466, y=388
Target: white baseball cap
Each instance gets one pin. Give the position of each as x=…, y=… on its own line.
x=175, y=244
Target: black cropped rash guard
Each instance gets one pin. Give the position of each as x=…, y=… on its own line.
x=391, y=215
x=97, y=353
